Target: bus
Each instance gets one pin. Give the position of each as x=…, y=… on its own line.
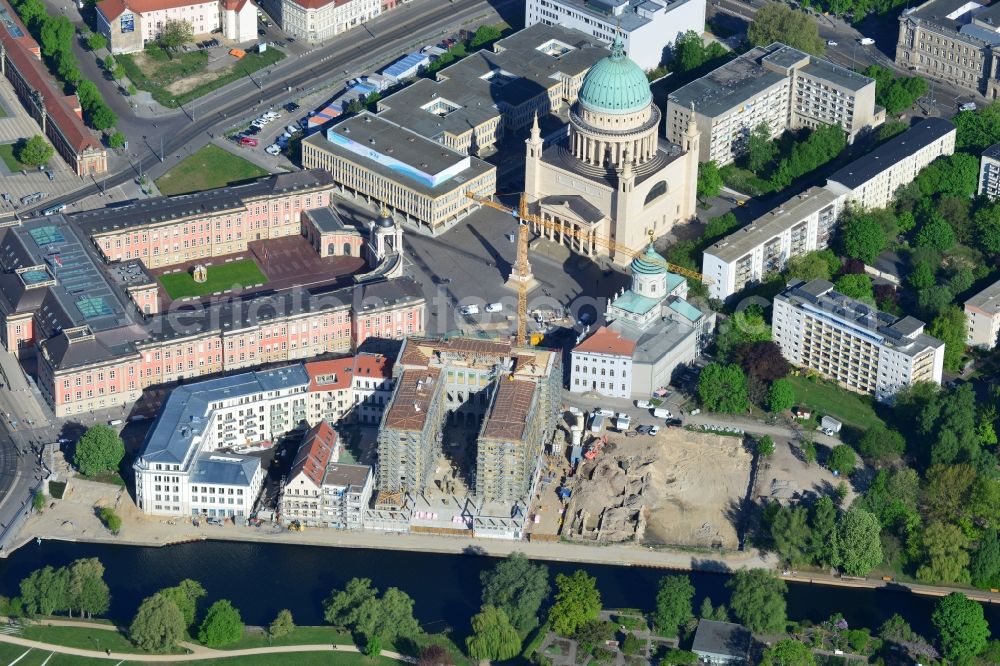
x=52, y=210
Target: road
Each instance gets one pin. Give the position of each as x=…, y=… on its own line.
x=389, y=36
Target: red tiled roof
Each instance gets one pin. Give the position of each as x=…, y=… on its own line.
x=233, y=5
x=112, y=9
x=19, y=52
x=315, y=453
x=606, y=341
x=337, y=373
x=316, y=4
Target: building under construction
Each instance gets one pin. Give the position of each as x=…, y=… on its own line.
x=507, y=396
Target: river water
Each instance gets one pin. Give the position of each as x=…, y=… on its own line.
x=261, y=579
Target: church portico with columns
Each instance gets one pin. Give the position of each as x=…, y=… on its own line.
x=611, y=179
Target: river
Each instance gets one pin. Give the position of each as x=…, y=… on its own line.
x=261, y=579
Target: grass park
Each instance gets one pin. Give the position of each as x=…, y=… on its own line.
x=178, y=78
x=221, y=277
x=824, y=397
x=12, y=163
x=208, y=168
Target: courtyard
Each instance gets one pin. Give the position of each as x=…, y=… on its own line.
x=220, y=278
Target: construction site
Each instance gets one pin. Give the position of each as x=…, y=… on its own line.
x=677, y=487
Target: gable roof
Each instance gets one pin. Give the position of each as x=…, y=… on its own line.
x=112, y=9
x=316, y=453
x=606, y=341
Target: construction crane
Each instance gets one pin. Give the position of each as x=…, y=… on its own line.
x=520, y=275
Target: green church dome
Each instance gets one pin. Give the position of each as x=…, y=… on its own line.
x=649, y=263
x=615, y=84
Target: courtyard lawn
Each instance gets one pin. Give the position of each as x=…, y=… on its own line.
x=206, y=169
x=824, y=397
x=221, y=277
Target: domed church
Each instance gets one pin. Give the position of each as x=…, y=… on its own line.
x=612, y=176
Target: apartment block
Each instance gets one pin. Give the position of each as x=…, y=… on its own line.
x=982, y=317
x=320, y=20
x=603, y=363
x=852, y=343
x=989, y=172
x=957, y=41
x=872, y=181
x=507, y=396
x=201, y=445
x=777, y=85
x=647, y=27
x=131, y=25
x=800, y=225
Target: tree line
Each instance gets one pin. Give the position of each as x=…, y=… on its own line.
x=55, y=36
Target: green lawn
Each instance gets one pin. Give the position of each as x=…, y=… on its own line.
x=206, y=169
x=114, y=478
x=158, y=71
x=300, y=636
x=80, y=637
x=7, y=155
x=221, y=277
x=826, y=398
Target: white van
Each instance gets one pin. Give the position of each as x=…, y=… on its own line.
x=469, y=310
x=662, y=413
x=494, y=307
x=115, y=422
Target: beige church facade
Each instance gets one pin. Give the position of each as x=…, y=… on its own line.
x=612, y=179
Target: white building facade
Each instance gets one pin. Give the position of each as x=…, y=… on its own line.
x=603, y=363
x=130, y=25
x=982, y=317
x=989, y=172
x=647, y=27
x=319, y=20
x=852, y=343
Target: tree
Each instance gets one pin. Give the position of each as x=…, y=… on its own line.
x=96, y=41
x=944, y=553
x=948, y=490
x=788, y=652
x=781, y=396
x=577, y=601
x=673, y=604
x=33, y=13
x=984, y=566
x=962, y=629
x=688, y=52
x=341, y=608
x=631, y=645
x=87, y=590
x=373, y=646
x=175, y=33
x=46, y=591
x=824, y=541
x=68, y=68
x=102, y=117
x=765, y=446
x=761, y=149
x=936, y=233
x=815, y=265
x=109, y=63
x=762, y=360
x=56, y=35
x=116, y=140
x=38, y=501
x=758, y=600
x=282, y=625
x=99, y=450
x=949, y=327
x=87, y=93
x=222, y=625
x=776, y=22
x=880, y=444
x=435, y=655
x=857, y=286
x=922, y=276
x=861, y=236
x=746, y=326
x=709, y=180
x=389, y=617
x=35, y=151
x=860, y=547
x=110, y=519
x=842, y=459
x=493, y=637
x=723, y=388
x=158, y=625
x=185, y=596
x=518, y=587
x=719, y=226
x=790, y=533
x=484, y=35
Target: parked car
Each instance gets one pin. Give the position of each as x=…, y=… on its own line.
x=292, y=129
x=967, y=106
x=830, y=42
x=494, y=307
x=653, y=430
x=291, y=107
x=643, y=429
x=247, y=141
x=273, y=149
x=643, y=404
x=469, y=310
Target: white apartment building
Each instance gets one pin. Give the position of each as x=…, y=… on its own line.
x=203, y=428
x=778, y=85
x=647, y=27
x=603, y=364
x=800, y=225
x=129, y=25
x=989, y=172
x=852, y=343
x=319, y=20
x=347, y=492
x=982, y=317
x=872, y=181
